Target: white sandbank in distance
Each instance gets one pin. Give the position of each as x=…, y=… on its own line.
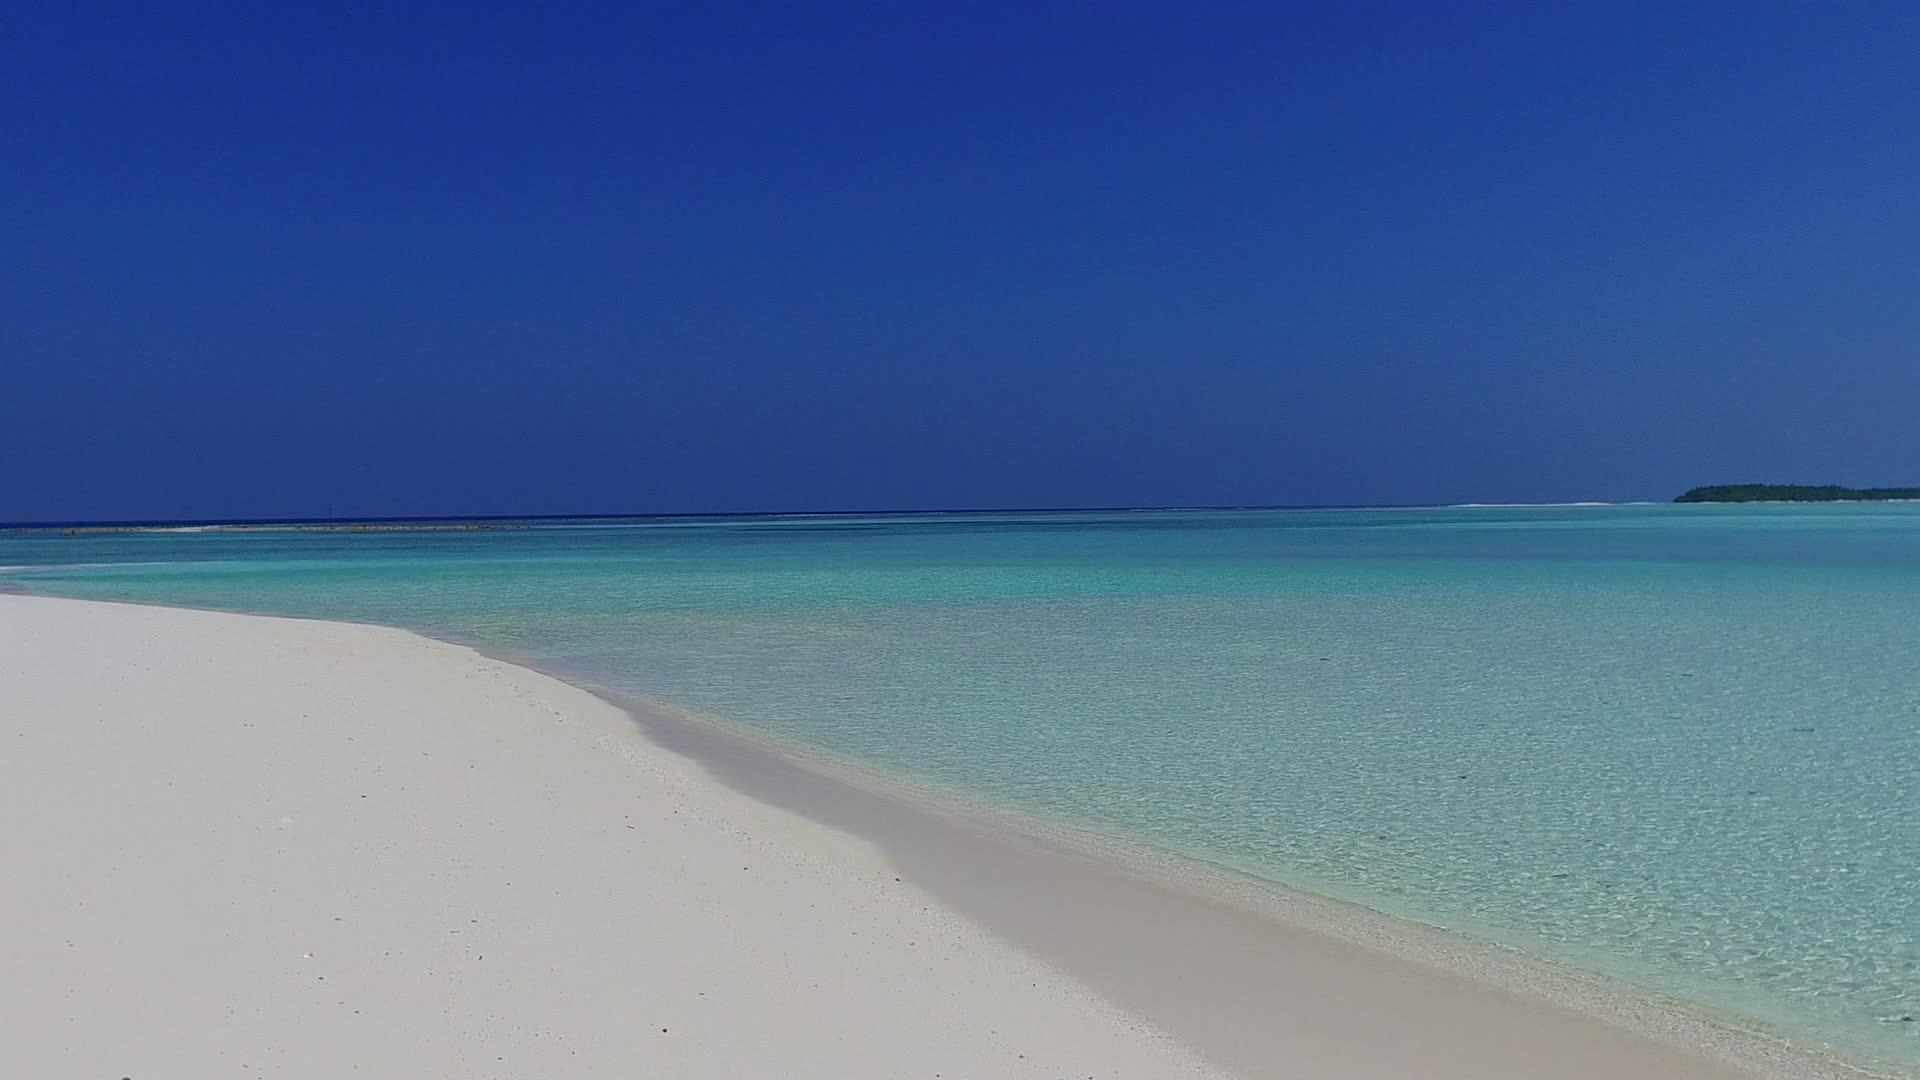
x=247, y=846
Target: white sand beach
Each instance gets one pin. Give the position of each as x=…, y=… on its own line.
x=244, y=846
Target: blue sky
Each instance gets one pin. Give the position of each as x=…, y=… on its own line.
x=683, y=258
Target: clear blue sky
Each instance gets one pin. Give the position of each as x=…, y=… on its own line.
x=699, y=257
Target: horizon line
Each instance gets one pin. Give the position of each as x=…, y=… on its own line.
x=402, y=519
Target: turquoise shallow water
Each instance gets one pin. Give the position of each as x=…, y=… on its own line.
x=1675, y=743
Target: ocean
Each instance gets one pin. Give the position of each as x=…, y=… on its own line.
x=1675, y=745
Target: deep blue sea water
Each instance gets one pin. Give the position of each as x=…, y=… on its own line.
x=1679, y=744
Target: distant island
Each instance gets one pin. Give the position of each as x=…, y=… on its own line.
x=1737, y=493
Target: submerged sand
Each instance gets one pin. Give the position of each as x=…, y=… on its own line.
x=239, y=845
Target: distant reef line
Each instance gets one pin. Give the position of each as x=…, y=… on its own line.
x=305, y=526
x=1736, y=493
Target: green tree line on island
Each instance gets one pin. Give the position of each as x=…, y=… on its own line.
x=1793, y=493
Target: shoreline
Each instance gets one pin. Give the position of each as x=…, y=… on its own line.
x=1254, y=974
x=256, y=846
x=903, y=816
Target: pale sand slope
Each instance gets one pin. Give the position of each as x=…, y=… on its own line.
x=237, y=846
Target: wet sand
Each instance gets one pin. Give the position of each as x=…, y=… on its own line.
x=1263, y=981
